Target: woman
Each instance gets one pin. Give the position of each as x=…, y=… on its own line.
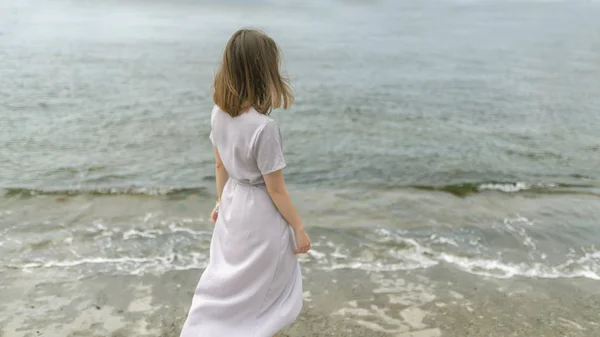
x=252, y=286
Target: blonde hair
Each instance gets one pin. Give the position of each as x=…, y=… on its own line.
x=249, y=75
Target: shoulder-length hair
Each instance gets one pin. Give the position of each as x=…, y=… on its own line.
x=249, y=75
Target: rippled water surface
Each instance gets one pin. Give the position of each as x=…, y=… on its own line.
x=451, y=135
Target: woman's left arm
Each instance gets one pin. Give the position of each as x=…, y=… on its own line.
x=221, y=174
x=221, y=177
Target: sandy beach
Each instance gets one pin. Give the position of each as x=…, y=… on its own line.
x=409, y=305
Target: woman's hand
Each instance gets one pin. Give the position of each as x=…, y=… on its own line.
x=214, y=215
x=302, y=241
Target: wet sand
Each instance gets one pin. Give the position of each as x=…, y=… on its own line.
x=336, y=304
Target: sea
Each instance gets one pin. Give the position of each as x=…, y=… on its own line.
x=444, y=155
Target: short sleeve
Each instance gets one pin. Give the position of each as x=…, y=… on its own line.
x=268, y=149
x=211, y=136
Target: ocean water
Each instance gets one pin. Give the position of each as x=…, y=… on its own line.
x=453, y=137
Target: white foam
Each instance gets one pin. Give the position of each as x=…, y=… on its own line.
x=381, y=266
x=175, y=229
x=443, y=240
x=516, y=226
x=148, y=234
x=316, y=254
x=337, y=255
x=514, y=187
x=385, y=251
x=128, y=265
x=587, y=266
x=499, y=269
x=416, y=256
x=483, y=267
x=519, y=186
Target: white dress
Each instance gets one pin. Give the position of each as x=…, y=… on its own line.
x=252, y=286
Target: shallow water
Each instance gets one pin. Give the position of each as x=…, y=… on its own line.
x=428, y=139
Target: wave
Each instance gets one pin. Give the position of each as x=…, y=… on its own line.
x=466, y=189
x=515, y=187
x=405, y=254
x=415, y=254
x=126, y=265
x=139, y=191
x=480, y=267
x=587, y=266
x=497, y=269
x=421, y=258
x=459, y=189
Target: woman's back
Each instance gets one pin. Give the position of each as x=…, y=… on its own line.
x=250, y=145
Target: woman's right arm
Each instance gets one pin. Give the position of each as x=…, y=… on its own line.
x=269, y=159
x=282, y=200
x=281, y=197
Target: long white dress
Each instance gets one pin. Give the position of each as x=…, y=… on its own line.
x=252, y=286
